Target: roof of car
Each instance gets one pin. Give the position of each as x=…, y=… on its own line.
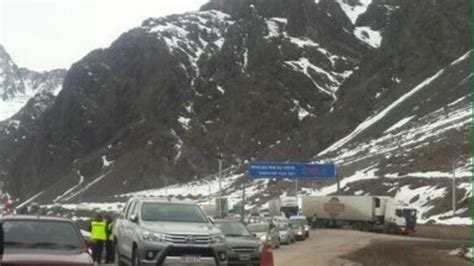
x=226, y=221
x=163, y=200
x=295, y=217
x=36, y=218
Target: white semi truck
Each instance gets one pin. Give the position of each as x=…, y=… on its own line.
x=367, y=213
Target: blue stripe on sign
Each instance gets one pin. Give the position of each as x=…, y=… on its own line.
x=292, y=171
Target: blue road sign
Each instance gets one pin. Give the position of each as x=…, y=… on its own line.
x=292, y=171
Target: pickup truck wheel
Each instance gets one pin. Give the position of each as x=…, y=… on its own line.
x=135, y=259
x=117, y=255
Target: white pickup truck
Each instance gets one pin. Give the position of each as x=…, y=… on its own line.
x=155, y=231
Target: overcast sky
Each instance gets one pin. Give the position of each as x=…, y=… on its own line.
x=47, y=34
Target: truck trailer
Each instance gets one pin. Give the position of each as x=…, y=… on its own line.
x=366, y=213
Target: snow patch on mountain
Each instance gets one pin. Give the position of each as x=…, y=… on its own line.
x=191, y=34
x=371, y=120
x=399, y=124
x=369, y=36
x=354, y=11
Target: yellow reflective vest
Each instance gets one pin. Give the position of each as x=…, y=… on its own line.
x=98, y=230
x=109, y=229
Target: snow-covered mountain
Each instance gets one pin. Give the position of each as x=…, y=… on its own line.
x=379, y=87
x=18, y=85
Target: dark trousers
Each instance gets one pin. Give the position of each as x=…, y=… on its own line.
x=97, y=251
x=109, y=251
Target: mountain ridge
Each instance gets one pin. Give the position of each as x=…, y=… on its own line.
x=253, y=79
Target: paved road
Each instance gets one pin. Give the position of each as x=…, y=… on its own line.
x=325, y=246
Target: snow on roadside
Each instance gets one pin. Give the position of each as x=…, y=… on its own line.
x=115, y=207
x=202, y=187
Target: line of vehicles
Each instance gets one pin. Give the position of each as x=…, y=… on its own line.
x=366, y=213
x=158, y=231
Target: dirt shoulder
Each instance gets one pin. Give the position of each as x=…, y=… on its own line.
x=407, y=253
x=447, y=232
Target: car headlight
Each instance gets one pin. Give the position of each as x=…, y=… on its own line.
x=306, y=228
x=152, y=237
x=264, y=238
x=218, y=238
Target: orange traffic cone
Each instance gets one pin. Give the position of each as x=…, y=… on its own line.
x=266, y=257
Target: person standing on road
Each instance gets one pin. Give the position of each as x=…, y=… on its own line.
x=314, y=221
x=99, y=236
x=109, y=243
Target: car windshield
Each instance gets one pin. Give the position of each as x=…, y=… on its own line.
x=41, y=234
x=233, y=229
x=172, y=212
x=257, y=228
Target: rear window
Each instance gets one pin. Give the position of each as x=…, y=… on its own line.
x=233, y=229
x=172, y=212
x=282, y=227
x=299, y=221
x=41, y=234
x=255, y=228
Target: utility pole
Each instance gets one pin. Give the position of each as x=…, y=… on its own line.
x=220, y=175
x=1, y=223
x=454, y=188
x=243, y=203
x=296, y=190
x=1, y=196
x=209, y=195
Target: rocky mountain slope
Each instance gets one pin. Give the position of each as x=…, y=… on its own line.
x=18, y=85
x=379, y=87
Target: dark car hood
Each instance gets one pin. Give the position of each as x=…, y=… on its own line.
x=241, y=242
x=46, y=257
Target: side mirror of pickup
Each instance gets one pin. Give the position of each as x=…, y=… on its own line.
x=134, y=218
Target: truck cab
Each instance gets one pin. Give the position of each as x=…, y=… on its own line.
x=401, y=215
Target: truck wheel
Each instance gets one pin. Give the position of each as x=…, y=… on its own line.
x=391, y=229
x=366, y=227
x=394, y=230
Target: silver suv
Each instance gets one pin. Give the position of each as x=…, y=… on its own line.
x=156, y=231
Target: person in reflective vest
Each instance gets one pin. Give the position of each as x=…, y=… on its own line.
x=109, y=243
x=98, y=229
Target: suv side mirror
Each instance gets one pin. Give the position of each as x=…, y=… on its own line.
x=134, y=218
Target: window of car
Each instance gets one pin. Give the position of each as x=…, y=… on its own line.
x=282, y=227
x=131, y=209
x=233, y=229
x=172, y=212
x=41, y=234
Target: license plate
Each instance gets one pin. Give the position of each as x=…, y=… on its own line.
x=190, y=258
x=244, y=257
